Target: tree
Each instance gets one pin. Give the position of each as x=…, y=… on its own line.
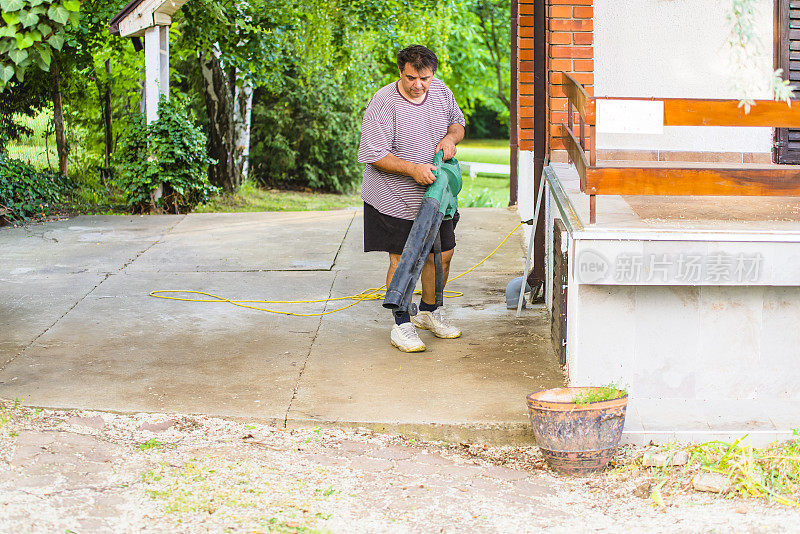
x=494, y=19
x=32, y=33
x=239, y=46
x=103, y=77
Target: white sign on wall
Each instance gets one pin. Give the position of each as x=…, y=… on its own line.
x=629, y=116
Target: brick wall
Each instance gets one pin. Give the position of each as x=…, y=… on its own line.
x=569, y=49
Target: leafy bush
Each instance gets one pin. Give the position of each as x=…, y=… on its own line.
x=306, y=136
x=169, y=151
x=26, y=192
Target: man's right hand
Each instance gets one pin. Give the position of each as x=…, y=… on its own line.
x=423, y=174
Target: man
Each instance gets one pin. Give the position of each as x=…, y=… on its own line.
x=406, y=123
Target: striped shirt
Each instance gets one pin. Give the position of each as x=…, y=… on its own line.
x=411, y=132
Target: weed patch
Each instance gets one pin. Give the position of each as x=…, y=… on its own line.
x=602, y=393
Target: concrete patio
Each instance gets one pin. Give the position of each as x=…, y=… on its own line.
x=79, y=329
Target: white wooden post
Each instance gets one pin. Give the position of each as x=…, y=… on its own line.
x=152, y=71
x=163, y=79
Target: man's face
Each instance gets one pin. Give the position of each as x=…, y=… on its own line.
x=415, y=83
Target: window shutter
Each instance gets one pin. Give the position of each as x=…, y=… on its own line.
x=788, y=139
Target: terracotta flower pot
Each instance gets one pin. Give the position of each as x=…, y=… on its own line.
x=576, y=439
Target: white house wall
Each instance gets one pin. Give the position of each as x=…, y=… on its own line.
x=677, y=48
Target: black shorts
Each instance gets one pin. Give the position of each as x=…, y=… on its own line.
x=388, y=234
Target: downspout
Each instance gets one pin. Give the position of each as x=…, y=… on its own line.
x=513, y=174
x=536, y=276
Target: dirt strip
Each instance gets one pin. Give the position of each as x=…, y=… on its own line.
x=78, y=471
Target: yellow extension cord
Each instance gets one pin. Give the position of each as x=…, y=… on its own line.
x=368, y=294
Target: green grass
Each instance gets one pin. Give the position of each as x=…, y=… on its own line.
x=484, y=151
x=481, y=191
x=484, y=191
x=31, y=148
x=252, y=198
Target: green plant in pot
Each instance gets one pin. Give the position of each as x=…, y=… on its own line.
x=578, y=428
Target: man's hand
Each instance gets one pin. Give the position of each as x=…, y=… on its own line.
x=448, y=146
x=455, y=133
x=423, y=174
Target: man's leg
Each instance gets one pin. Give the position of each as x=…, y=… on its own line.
x=429, y=276
x=404, y=335
x=394, y=260
x=429, y=316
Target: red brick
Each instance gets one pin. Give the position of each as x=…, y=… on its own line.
x=526, y=88
x=526, y=122
x=554, y=129
x=525, y=101
x=557, y=91
x=583, y=12
x=583, y=38
x=526, y=9
x=526, y=31
x=558, y=117
x=556, y=64
x=526, y=55
x=526, y=66
x=571, y=25
x=583, y=65
x=526, y=134
x=571, y=2
x=583, y=78
x=526, y=21
x=558, y=104
x=555, y=144
x=563, y=37
x=527, y=77
x=560, y=12
x=571, y=51
x=527, y=43
x=526, y=112
x=526, y=144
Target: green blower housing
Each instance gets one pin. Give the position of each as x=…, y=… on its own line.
x=447, y=185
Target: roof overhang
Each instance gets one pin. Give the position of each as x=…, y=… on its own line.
x=139, y=15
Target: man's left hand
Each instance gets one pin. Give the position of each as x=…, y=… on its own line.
x=448, y=146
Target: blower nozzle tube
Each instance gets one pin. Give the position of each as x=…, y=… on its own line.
x=415, y=253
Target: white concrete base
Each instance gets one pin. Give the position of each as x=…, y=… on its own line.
x=698, y=318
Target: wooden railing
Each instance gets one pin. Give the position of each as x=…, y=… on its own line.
x=679, y=179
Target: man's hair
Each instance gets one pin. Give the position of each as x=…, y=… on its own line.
x=419, y=57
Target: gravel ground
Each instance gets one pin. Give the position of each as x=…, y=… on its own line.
x=70, y=471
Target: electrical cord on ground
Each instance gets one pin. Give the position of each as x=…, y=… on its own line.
x=372, y=293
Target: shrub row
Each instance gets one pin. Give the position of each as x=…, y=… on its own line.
x=26, y=192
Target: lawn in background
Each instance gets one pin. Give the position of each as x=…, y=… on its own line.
x=253, y=198
x=484, y=151
x=485, y=190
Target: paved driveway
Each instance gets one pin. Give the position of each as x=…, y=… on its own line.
x=78, y=328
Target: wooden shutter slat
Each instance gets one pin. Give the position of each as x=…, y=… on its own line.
x=788, y=52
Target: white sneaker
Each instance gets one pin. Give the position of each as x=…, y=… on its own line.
x=434, y=322
x=405, y=338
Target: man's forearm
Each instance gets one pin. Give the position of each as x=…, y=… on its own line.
x=391, y=163
x=456, y=133
x=422, y=174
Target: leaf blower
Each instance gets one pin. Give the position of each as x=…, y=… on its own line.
x=440, y=202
